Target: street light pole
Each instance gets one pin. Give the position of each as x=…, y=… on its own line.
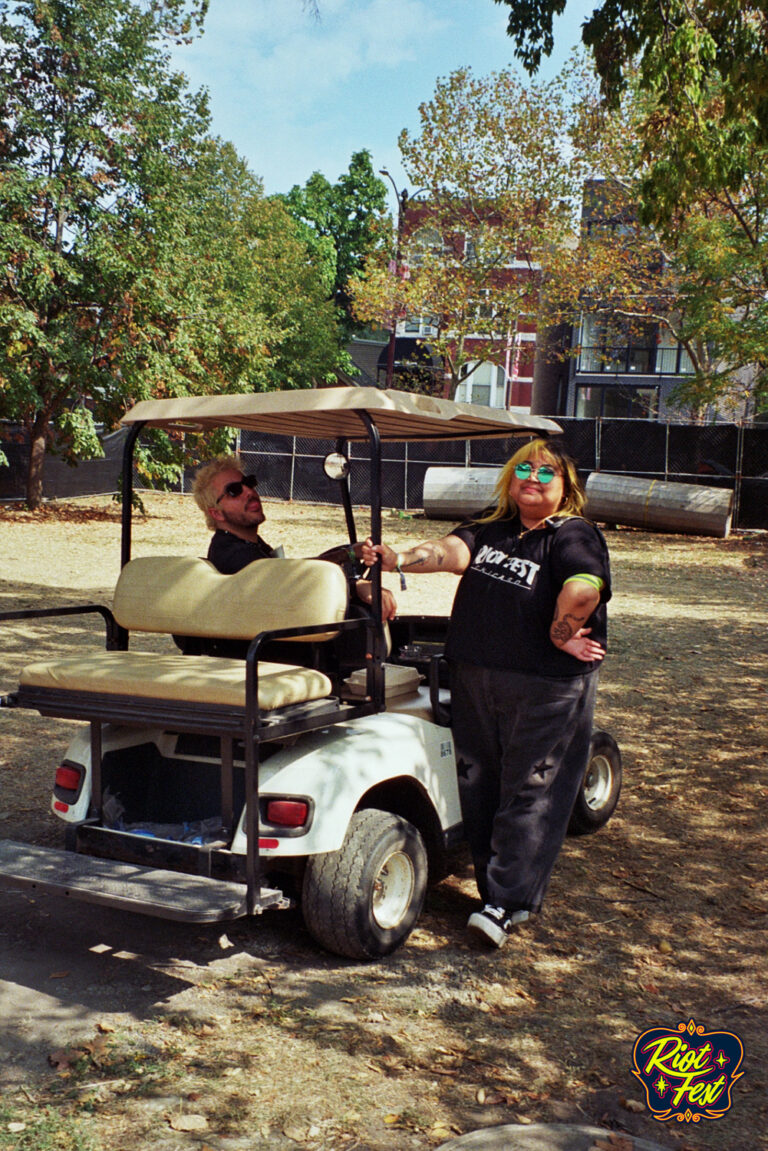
x=402, y=200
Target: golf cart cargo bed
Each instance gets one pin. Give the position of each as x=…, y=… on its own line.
x=167, y=894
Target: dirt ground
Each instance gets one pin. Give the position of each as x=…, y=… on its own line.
x=125, y=1032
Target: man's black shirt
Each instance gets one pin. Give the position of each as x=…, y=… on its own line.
x=229, y=553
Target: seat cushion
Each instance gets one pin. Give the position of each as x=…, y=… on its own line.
x=192, y=679
x=183, y=595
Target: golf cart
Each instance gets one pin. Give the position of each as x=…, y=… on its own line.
x=317, y=765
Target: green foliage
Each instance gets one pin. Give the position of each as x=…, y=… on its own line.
x=140, y=256
x=341, y=224
x=44, y=1129
x=77, y=437
x=678, y=45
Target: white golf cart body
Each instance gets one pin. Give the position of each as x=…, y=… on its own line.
x=328, y=779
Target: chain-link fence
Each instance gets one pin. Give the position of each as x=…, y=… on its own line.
x=722, y=455
x=719, y=455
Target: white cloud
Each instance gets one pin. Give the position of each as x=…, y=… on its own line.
x=295, y=94
x=290, y=64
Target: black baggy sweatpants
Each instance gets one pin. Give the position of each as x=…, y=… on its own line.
x=522, y=745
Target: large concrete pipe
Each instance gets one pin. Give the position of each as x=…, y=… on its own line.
x=453, y=493
x=657, y=504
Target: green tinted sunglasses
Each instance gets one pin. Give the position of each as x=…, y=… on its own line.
x=545, y=474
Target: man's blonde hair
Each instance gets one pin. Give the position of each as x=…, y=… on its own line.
x=202, y=486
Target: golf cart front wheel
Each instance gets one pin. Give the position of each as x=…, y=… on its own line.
x=600, y=788
x=363, y=900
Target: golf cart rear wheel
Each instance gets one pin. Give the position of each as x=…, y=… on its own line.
x=363, y=900
x=600, y=788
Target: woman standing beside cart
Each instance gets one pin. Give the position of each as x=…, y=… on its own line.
x=526, y=638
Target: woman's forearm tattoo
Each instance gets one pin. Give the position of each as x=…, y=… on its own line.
x=562, y=630
x=419, y=561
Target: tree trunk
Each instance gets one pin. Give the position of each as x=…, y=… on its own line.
x=38, y=441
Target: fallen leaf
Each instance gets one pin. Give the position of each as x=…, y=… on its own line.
x=63, y=1060
x=16, y=1128
x=633, y=1105
x=612, y=1142
x=96, y=1047
x=225, y=943
x=188, y=1122
x=58, y=975
x=295, y=1134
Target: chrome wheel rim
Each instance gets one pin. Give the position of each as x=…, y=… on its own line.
x=393, y=890
x=597, y=782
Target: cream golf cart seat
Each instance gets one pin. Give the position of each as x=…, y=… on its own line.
x=167, y=595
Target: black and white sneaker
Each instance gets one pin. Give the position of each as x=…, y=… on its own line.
x=495, y=923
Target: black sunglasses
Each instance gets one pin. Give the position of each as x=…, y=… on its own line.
x=235, y=488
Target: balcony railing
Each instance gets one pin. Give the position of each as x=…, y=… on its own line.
x=636, y=360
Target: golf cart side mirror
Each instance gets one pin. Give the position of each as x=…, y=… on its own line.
x=336, y=466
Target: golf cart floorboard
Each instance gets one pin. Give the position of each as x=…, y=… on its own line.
x=148, y=890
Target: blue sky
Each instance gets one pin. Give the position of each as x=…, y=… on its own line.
x=296, y=95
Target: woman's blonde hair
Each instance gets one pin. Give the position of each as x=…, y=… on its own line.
x=573, y=494
x=202, y=485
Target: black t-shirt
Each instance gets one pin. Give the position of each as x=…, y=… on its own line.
x=229, y=553
x=506, y=599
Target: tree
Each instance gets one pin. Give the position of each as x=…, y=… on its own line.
x=248, y=310
x=139, y=256
x=341, y=223
x=702, y=67
x=501, y=193
x=93, y=123
x=678, y=44
x=695, y=271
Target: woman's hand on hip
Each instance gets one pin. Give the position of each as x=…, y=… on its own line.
x=582, y=647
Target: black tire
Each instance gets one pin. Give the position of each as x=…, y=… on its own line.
x=363, y=900
x=600, y=788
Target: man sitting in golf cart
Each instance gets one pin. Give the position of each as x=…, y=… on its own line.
x=234, y=512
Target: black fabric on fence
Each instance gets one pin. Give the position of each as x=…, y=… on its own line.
x=720, y=455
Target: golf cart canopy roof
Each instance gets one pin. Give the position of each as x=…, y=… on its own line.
x=336, y=413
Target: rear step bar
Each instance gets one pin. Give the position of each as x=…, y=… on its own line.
x=148, y=890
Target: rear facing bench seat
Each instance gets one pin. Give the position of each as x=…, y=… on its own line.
x=181, y=594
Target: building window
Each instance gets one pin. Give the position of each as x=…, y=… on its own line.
x=485, y=385
x=617, y=401
x=426, y=246
x=423, y=326
x=671, y=358
x=639, y=349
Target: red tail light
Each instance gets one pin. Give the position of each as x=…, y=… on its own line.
x=68, y=777
x=287, y=812
x=67, y=785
